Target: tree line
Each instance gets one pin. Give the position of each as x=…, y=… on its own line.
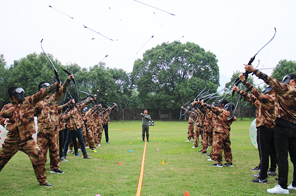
x=167, y=76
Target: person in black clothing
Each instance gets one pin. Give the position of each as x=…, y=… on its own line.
x=145, y=125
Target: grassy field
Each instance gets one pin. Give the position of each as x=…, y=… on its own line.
x=184, y=169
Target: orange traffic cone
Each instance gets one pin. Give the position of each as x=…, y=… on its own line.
x=186, y=193
x=162, y=162
x=119, y=163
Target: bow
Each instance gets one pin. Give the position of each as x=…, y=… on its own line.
x=181, y=110
x=72, y=104
x=237, y=80
x=54, y=68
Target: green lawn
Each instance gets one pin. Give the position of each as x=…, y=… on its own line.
x=184, y=169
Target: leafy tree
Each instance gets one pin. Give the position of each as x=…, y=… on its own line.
x=4, y=98
x=284, y=68
x=171, y=74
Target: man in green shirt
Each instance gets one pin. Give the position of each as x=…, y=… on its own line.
x=145, y=125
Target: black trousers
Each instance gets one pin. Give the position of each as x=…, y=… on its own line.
x=74, y=141
x=267, y=148
x=285, y=141
x=105, y=127
x=70, y=134
x=258, y=143
x=145, y=129
x=62, y=139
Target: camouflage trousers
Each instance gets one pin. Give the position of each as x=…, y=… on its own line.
x=207, y=137
x=48, y=140
x=221, y=141
x=198, y=132
x=100, y=133
x=190, y=133
x=90, y=137
x=95, y=133
x=12, y=145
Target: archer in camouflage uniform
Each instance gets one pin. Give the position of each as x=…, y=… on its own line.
x=265, y=126
x=100, y=127
x=192, y=117
x=199, y=127
x=62, y=137
x=222, y=134
x=47, y=111
x=285, y=126
x=74, y=121
x=90, y=125
x=96, y=124
x=83, y=129
x=18, y=118
x=106, y=121
x=208, y=131
x=88, y=137
x=216, y=123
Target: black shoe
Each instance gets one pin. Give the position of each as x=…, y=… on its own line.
x=57, y=171
x=271, y=173
x=148, y=141
x=257, y=180
x=108, y=142
x=277, y=179
x=217, y=165
x=208, y=156
x=256, y=168
x=203, y=152
x=47, y=184
x=228, y=164
x=86, y=157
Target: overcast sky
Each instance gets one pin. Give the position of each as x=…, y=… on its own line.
x=234, y=30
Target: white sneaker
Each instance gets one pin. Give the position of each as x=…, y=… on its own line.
x=256, y=175
x=99, y=145
x=278, y=189
x=86, y=147
x=70, y=151
x=210, y=160
x=188, y=141
x=291, y=187
x=194, y=147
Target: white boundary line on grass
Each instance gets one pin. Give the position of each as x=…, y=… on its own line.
x=142, y=172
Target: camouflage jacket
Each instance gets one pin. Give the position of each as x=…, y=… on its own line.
x=47, y=110
x=285, y=100
x=21, y=115
x=209, y=117
x=62, y=125
x=192, y=115
x=251, y=99
x=222, y=116
x=96, y=116
x=73, y=118
x=200, y=118
x=106, y=118
x=265, y=116
x=89, y=118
